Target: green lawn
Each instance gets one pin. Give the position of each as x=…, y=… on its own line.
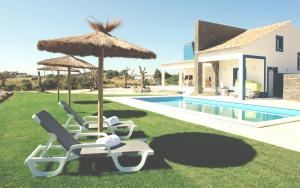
x=186, y=155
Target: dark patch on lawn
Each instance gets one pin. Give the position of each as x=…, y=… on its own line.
x=124, y=113
x=203, y=150
x=89, y=102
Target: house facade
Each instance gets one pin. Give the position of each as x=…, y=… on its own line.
x=228, y=57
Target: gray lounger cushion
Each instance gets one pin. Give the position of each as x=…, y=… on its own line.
x=69, y=110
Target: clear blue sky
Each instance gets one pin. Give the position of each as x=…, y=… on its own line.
x=162, y=26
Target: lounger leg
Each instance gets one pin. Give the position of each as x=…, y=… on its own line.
x=116, y=156
x=32, y=166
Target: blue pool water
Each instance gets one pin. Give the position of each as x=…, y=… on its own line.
x=253, y=113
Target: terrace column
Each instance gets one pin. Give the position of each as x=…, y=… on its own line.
x=180, y=78
x=163, y=78
x=198, y=77
x=242, y=77
x=198, y=85
x=215, y=66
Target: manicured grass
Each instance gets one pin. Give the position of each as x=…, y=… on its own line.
x=186, y=155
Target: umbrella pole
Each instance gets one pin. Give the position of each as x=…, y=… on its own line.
x=58, y=86
x=69, y=84
x=39, y=80
x=100, y=90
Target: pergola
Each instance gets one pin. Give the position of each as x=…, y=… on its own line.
x=69, y=62
x=58, y=70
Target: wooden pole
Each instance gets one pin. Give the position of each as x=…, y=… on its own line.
x=100, y=90
x=58, y=86
x=69, y=85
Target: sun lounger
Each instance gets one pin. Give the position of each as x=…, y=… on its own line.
x=90, y=122
x=74, y=149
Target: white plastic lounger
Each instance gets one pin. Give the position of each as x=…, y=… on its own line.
x=90, y=122
x=74, y=149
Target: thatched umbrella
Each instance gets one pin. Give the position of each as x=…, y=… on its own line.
x=100, y=44
x=58, y=69
x=69, y=62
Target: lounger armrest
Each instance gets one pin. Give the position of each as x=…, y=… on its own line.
x=127, y=122
x=89, y=117
x=35, y=152
x=124, y=126
x=85, y=118
x=71, y=125
x=89, y=122
x=90, y=134
x=89, y=145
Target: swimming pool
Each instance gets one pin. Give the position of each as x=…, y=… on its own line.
x=240, y=111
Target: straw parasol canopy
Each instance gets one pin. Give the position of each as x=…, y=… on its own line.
x=55, y=68
x=69, y=62
x=100, y=44
x=58, y=69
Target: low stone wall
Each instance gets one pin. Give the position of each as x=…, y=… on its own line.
x=4, y=95
x=291, y=87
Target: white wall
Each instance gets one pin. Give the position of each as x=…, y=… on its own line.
x=255, y=71
x=226, y=72
x=189, y=71
x=286, y=61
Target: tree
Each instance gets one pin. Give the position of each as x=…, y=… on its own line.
x=167, y=75
x=143, y=73
x=111, y=74
x=126, y=75
x=157, y=76
x=94, y=76
x=173, y=80
x=5, y=75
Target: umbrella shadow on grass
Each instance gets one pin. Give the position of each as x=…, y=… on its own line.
x=124, y=113
x=203, y=150
x=90, y=102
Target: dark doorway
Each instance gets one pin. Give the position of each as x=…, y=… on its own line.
x=235, y=73
x=275, y=82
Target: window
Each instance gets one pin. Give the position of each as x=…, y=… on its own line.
x=298, y=61
x=279, y=43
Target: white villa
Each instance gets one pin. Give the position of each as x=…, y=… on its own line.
x=222, y=55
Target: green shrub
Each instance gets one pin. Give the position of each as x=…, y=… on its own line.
x=173, y=80
x=36, y=88
x=86, y=82
x=50, y=83
x=111, y=74
x=26, y=85
x=11, y=87
x=147, y=83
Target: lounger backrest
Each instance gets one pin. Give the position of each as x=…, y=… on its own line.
x=70, y=111
x=51, y=125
